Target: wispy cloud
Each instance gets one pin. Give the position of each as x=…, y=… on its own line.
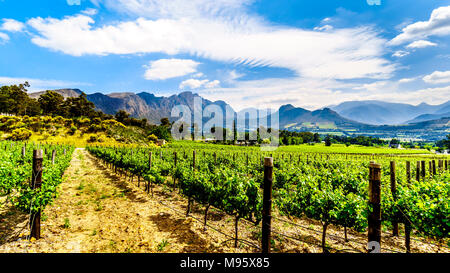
x=420, y=44
x=170, y=68
x=12, y=25
x=438, y=77
x=437, y=25
x=195, y=84
x=240, y=38
x=175, y=8
x=3, y=38
x=400, y=54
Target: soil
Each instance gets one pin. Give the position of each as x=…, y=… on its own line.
x=101, y=211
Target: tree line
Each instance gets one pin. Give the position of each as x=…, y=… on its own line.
x=14, y=100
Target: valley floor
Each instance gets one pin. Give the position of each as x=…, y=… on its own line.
x=100, y=211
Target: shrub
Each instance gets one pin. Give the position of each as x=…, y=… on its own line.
x=111, y=123
x=92, y=139
x=97, y=120
x=20, y=134
x=35, y=126
x=68, y=122
x=58, y=119
x=72, y=130
x=94, y=128
x=152, y=138
x=84, y=121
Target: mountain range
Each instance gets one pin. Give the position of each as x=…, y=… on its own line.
x=386, y=113
x=382, y=119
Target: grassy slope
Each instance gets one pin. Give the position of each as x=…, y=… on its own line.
x=56, y=132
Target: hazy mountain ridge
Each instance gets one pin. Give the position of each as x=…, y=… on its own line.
x=428, y=117
x=386, y=113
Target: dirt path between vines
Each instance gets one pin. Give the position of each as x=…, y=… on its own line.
x=98, y=210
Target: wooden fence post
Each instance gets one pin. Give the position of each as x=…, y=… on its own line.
x=408, y=172
x=36, y=182
x=149, y=166
x=267, y=204
x=374, y=221
x=394, y=195
x=175, y=159
x=430, y=166
x=53, y=157
x=433, y=163
x=193, y=160
x=418, y=171
x=175, y=166
x=423, y=169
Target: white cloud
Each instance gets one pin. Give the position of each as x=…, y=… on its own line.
x=212, y=84
x=438, y=77
x=233, y=75
x=90, y=11
x=437, y=25
x=12, y=25
x=3, y=38
x=407, y=80
x=198, y=75
x=340, y=53
x=41, y=84
x=195, y=84
x=324, y=28
x=400, y=53
x=170, y=68
x=375, y=86
x=421, y=44
x=192, y=83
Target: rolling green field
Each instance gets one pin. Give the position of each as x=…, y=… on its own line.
x=303, y=148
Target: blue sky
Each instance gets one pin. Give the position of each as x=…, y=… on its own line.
x=257, y=53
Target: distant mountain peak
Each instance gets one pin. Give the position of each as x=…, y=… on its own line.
x=286, y=107
x=66, y=93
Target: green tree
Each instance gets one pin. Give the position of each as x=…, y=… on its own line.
x=445, y=143
x=165, y=122
x=316, y=137
x=122, y=116
x=14, y=99
x=51, y=102
x=79, y=107
x=328, y=141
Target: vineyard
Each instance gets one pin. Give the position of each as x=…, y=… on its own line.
x=331, y=189
x=22, y=187
x=318, y=200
